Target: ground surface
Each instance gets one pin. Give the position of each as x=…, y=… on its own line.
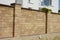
x=54, y=36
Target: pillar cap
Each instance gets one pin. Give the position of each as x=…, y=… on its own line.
x=15, y=4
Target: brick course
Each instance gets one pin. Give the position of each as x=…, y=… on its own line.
x=6, y=21
x=53, y=23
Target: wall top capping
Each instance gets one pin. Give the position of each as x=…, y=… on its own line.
x=5, y=5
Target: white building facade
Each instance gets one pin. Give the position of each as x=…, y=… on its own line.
x=36, y=4
x=7, y=2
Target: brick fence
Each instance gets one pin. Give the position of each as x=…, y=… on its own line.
x=31, y=22
x=6, y=21
x=17, y=21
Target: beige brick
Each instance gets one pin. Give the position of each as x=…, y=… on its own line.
x=53, y=23
x=28, y=22
x=6, y=21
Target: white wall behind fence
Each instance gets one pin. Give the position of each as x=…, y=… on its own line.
x=33, y=5
x=7, y=2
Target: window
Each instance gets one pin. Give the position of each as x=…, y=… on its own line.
x=19, y=1
x=31, y=1
x=46, y=2
x=59, y=4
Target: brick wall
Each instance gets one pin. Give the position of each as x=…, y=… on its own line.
x=29, y=22
x=6, y=21
x=53, y=23
x=17, y=20
x=26, y=22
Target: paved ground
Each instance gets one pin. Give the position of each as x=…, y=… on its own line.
x=55, y=36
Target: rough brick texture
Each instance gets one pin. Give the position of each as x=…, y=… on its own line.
x=53, y=23
x=6, y=21
x=17, y=20
x=29, y=22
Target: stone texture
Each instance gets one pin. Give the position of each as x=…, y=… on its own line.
x=28, y=22
x=17, y=21
x=53, y=25
x=6, y=21
x=33, y=22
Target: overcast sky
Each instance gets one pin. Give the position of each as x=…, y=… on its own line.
x=7, y=2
